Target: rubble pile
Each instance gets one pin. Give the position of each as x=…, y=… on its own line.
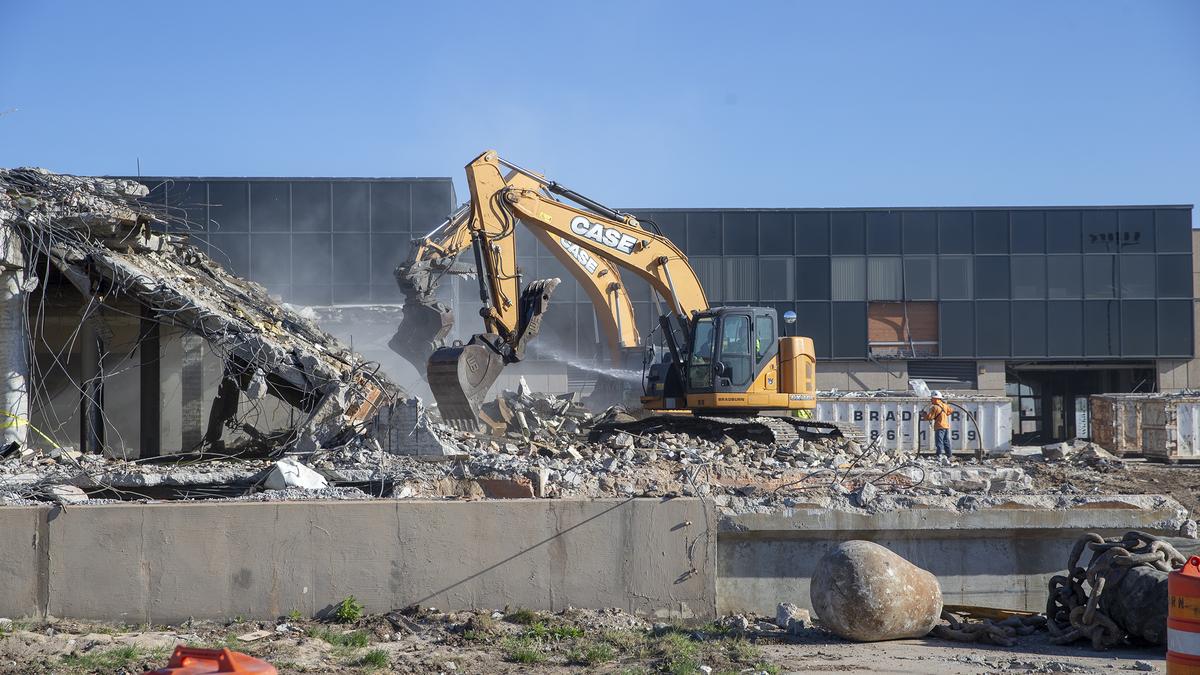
x=110, y=246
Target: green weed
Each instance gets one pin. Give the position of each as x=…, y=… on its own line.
x=348, y=610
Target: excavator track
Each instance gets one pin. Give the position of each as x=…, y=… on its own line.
x=761, y=428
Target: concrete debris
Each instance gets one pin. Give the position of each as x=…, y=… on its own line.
x=111, y=246
x=864, y=592
x=65, y=494
x=537, y=417
x=290, y=473
x=792, y=619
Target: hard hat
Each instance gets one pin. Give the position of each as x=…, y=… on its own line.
x=935, y=394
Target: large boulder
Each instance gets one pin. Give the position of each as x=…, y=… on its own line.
x=864, y=592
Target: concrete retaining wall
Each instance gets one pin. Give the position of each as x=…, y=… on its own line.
x=999, y=557
x=170, y=561
x=166, y=562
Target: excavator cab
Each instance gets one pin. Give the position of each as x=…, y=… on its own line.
x=730, y=346
x=734, y=361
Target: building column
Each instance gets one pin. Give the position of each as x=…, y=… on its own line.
x=150, y=374
x=14, y=341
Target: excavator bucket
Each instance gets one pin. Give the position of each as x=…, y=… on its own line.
x=423, y=325
x=461, y=376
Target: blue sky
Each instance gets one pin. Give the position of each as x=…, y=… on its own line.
x=667, y=104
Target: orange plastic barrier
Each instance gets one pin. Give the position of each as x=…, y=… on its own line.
x=1183, y=619
x=196, y=661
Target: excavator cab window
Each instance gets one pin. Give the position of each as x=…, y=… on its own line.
x=700, y=362
x=735, y=350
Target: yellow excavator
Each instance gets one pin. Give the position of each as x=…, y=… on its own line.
x=728, y=366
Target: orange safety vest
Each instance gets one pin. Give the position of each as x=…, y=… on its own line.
x=939, y=413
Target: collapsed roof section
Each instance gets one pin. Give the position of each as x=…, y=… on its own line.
x=108, y=244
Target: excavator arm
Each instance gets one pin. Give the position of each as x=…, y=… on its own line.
x=427, y=321
x=461, y=376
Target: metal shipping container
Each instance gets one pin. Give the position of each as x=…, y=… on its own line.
x=1171, y=428
x=1116, y=421
x=897, y=421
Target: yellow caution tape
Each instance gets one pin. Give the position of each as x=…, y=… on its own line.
x=18, y=420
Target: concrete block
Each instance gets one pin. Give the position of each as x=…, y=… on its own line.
x=22, y=577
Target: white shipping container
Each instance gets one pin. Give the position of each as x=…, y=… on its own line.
x=1171, y=428
x=896, y=420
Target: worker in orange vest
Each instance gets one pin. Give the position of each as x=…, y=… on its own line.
x=938, y=414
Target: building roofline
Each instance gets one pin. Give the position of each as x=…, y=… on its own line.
x=294, y=179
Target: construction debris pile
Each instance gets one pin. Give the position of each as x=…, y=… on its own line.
x=112, y=248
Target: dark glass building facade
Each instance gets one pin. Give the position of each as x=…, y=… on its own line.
x=1067, y=284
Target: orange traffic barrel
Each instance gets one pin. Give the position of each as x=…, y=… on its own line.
x=1183, y=619
x=196, y=661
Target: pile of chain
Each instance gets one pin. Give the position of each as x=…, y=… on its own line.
x=1003, y=633
x=1123, y=581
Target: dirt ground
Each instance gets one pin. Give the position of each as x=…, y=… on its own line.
x=521, y=641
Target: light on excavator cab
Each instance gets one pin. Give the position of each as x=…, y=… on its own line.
x=789, y=318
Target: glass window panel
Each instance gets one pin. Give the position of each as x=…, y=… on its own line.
x=885, y=278
x=1100, y=234
x=849, y=278
x=271, y=259
x=774, y=279
x=1173, y=230
x=1028, y=231
x=270, y=207
x=741, y=279
x=920, y=278
x=1099, y=276
x=957, y=324
x=711, y=275
x=1029, y=339
x=1062, y=231
x=1175, y=328
x=229, y=206
x=311, y=258
x=920, y=231
x=848, y=233
x=1029, y=276
x=349, y=253
x=992, y=329
x=1101, y=328
x=704, y=233
x=954, y=277
x=812, y=279
x=351, y=207
x=1064, y=276
x=1137, y=230
x=432, y=202
x=812, y=320
x=812, y=232
x=991, y=232
x=1064, y=328
x=1137, y=276
x=310, y=206
x=672, y=224
x=775, y=233
x=991, y=276
x=741, y=232
x=1175, y=276
x=387, y=251
x=1138, y=328
x=883, y=232
x=954, y=232
x=849, y=330
x=390, y=207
